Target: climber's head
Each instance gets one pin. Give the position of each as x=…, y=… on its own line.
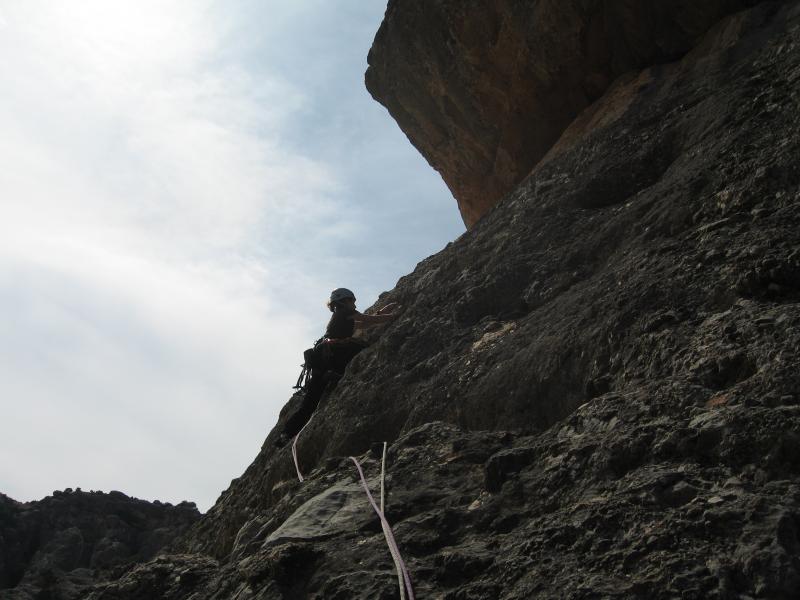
x=341, y=297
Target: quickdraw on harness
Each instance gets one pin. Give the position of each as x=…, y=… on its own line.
x=310, y=362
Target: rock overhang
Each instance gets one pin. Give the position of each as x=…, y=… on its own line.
x=484, y=89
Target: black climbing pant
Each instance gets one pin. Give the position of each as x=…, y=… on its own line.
x=323, y=377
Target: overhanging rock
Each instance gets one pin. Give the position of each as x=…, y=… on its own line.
x=484, y=88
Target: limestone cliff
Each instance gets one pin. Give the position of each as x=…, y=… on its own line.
x=594, y=392
x=484, y=88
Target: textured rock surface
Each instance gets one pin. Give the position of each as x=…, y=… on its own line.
x=483, y=89
x=594, y=393
x=57, y=547
x=634, y=496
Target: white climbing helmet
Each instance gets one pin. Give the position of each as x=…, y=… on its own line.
x=341, y=294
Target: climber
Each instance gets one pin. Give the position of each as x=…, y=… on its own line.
x=344, y=321
x=331, y=355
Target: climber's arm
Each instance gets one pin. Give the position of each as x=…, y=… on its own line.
x=363, y=320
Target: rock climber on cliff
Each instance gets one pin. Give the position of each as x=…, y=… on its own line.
x=329, y=357
x=343, y=324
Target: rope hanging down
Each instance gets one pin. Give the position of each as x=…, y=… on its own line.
x=395, y=557
x=294, y=450
x=403, y=579
x=383, y=477
x=387, y=532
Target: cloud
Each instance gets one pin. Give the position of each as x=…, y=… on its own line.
x=145, y=193
x=182, y=184
x=146, y=357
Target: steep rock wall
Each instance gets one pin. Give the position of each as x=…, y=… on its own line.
x=592, y=393
x=483, y=89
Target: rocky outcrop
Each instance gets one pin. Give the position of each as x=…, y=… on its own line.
x=61, y=545
x=484, y=89
x=593, y=393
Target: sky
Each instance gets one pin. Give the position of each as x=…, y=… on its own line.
x=183, y=183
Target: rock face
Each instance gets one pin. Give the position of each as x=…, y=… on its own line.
x=61, y=545
x=593, y=393
x=484, y=88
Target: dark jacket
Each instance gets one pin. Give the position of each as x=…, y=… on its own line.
x=341, y=324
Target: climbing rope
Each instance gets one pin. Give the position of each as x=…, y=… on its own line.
x=387, y=532
x=294, y=450
x=403, y=579
x=383, y=476
x=395, y=557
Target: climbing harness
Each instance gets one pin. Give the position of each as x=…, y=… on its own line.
x=310, y=362
x=302, y=379
x=387, y=532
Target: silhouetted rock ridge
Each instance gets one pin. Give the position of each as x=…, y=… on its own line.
x=58, y=547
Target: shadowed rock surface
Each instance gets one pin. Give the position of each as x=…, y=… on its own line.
x=593, y=393
x=483, y=89
x=54, y=548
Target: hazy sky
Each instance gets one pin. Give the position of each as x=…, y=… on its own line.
x=182, y=183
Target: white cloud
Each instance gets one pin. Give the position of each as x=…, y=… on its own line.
x=144, y=197
x=146, y=357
